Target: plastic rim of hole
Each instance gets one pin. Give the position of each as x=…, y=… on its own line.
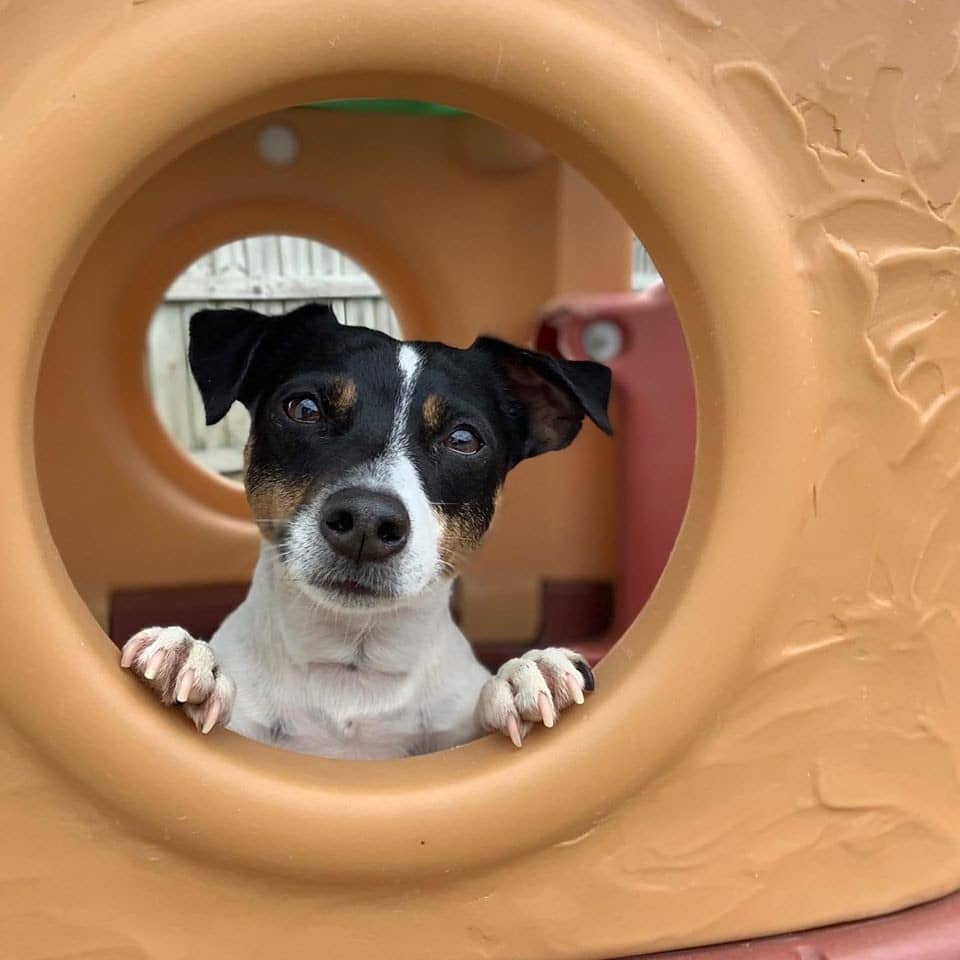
x=246, y=804
x=172, y=255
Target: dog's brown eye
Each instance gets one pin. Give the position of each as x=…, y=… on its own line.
x=303, y=409
x=463, y=440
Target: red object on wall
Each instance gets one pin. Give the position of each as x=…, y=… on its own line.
x=639, y=337
x=927, y=932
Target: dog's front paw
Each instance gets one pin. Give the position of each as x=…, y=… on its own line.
x=534, y=687
x=182, y=671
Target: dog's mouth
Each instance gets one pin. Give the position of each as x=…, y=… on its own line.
x=352, y=588
x=355, y=592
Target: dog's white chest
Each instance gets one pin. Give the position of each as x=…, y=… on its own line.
x=398, y=694
x=328, y=709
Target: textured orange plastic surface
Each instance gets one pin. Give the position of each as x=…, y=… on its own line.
x=774, y=743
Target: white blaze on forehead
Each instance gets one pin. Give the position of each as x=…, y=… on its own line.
x=394, y=471
x=409, y=362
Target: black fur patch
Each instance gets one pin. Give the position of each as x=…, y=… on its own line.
x=589, y=682
x=276, y=732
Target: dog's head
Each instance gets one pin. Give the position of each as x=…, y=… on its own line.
x=374, y=465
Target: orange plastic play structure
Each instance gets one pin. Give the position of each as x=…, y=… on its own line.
x=774, y=741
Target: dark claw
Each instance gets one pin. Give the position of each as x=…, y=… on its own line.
x=588, y=681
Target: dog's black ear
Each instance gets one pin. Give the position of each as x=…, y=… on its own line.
x=222, y=346
x=554, y=393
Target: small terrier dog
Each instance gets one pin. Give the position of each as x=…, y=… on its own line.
x=372, y=467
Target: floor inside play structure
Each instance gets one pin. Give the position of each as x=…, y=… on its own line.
x=575, y=614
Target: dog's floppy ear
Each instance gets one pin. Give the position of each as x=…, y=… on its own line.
x=222, y=345
x=554, y=393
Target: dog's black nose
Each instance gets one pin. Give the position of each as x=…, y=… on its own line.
x=364, y=524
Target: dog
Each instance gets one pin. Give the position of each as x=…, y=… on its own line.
x=373, y=467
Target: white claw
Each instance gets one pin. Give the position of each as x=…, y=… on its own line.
x=513, y=729
x=186, y=685
x=154, y=664
x=211, y=716
x=546, y=710
x=573, y=686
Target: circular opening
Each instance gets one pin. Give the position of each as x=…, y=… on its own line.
x=558, y=568
x=271, y=274
x=581, y=536
x=649, y=707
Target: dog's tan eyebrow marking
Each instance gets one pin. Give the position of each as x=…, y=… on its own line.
x=273, y=499
x=342, y=396
x=434, y=411
x=460, y=534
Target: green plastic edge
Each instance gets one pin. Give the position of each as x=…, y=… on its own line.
x=373, y=105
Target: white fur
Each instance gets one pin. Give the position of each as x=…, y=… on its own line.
x=348, y=684
x=409, y=361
